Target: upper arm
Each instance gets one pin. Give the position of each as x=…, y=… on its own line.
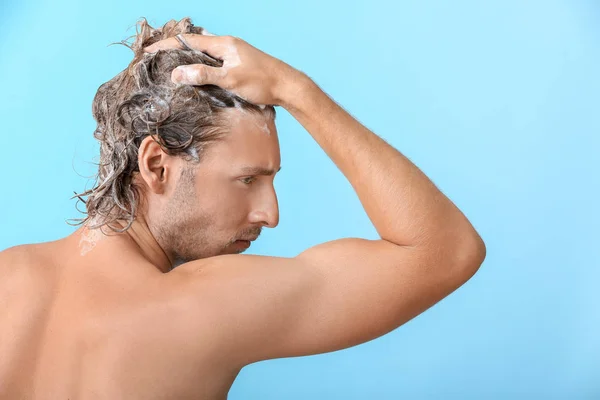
x=332, y=296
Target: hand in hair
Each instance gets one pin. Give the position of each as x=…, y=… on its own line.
x=247, y=71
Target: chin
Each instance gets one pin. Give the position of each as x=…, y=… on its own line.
x=233, y=250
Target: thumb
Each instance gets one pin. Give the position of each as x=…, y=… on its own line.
x=198, y=74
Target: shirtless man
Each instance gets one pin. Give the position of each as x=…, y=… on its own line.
x=107, y=316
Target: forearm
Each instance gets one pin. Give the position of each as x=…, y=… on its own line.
x=405, y=207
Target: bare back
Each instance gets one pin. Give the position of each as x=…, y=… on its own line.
x=109, y=324
x=69, y=331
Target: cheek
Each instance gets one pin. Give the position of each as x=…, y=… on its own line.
x=221, y=203
x=228, y=201
x=234, y=209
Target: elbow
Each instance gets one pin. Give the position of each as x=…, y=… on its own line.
x=465, y=255
x=472, y=256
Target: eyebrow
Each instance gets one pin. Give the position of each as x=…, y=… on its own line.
x=258, y=170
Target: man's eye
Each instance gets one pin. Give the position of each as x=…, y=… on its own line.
x=249, y=180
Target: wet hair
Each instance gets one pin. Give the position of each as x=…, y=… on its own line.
x=142, y=101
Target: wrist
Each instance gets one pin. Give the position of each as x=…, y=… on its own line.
x=292, y=88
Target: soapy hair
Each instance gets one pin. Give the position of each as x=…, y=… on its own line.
x=142, y=101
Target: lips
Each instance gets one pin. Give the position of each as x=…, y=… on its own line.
x=242, y=243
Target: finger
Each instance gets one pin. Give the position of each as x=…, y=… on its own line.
x=211, y=44
x=199, y=74
x=169, y=43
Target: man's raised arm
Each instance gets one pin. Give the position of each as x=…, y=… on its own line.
x=405, y=207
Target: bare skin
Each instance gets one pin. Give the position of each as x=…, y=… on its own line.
x=171, y=309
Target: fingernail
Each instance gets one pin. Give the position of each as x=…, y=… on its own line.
x=181, y=74
x=178, y=75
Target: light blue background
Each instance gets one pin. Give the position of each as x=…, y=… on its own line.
x=498, y=102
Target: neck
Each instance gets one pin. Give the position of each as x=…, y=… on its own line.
x=138, y=235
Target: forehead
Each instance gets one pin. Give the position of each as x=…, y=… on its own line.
x=251, y=140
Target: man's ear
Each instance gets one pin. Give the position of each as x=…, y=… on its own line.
x=155, y=165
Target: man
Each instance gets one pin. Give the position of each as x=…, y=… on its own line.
x=151, y=298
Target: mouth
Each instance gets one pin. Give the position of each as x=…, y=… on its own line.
x=249, y=238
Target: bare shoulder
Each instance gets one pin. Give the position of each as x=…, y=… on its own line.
x=20, y=265
x=19, y=256
x=22, y=253
x=14, y=258
x=332, y=296
x=12, y=252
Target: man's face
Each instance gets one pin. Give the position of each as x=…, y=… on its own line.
x=218, y=202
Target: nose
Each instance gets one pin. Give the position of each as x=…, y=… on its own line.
x=266, y=211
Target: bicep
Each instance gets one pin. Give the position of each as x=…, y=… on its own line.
x=330, y=297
